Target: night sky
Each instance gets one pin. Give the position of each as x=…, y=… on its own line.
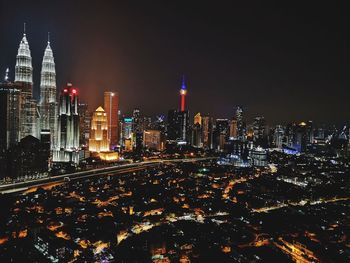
x=285, y=63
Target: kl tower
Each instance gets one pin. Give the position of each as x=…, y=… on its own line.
x=183, y=92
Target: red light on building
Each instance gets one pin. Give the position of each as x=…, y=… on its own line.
x=65, y=90
x=74, y=91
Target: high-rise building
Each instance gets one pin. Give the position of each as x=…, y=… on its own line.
x=173, y=131
x=98, y=141
x=197, y=130
x=233, y=129
x=111, y=104
x=221, y=133
x=67, y=146
x=207, y=132
x=240, y=122
x=259, y=128
x=152, y=139
x=137, y=128
x=84, y=124
x=48, y=102
x=184, y=120
x=24, y=78
x=197, y=119
x=127, y=139
x=10, y=98
x=278, y=136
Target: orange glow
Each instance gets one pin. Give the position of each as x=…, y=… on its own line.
x=63, y=235
x=3, y=240
x=23, y=233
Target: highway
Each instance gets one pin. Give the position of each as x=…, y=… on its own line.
x=23, y=186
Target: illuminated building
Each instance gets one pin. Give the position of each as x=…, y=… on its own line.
x=98, y=141
x=109, y=156
x=258, y=157
x=137, y=128
x=207, y=132
x=197, y=119
x=126, y=134
x=24, y=78
x=278, y=136
x=240, y=123
x=84, y=124
x=48, y=102
x=67, y=147
x=259, y=128
x=111, y=104
x=152, y=139
x=10, y=96
x=233, y=129
x=221, y=133
x=197, y=131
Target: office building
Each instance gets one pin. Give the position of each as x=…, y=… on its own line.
x=29, y=116
x=10, y=99
x=48, y=102
x=111, y=105
x=152, y=139
x=99, y=141
x=67, y=147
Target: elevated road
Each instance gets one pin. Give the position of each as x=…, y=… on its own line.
x=117, y=169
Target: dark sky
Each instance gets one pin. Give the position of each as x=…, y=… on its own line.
x=286, y=63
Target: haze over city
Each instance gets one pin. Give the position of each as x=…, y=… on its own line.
x=286, y=62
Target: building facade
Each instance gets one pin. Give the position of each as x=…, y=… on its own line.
x=99, y=141
x=111, y=105
x=48, y=101
x=67, y=147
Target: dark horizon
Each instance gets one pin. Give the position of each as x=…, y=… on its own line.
x=287, y=64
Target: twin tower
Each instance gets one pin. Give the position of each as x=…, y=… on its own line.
x=36, y=117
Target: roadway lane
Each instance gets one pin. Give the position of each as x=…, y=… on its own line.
x=23, y=186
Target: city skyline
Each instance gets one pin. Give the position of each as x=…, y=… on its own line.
x=297, y=95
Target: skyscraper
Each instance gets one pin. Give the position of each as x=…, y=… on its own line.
x=259, y=128
x=10, y=97
x=24, y=78
x=240, y=123
x=207, y=132
x=278, y=136
x=233, y=129
x=111, y=104
x=67, y=147
x=137, y=128
x=98, y=141
x=48, y=102
x=173, y=131
x=84, y=124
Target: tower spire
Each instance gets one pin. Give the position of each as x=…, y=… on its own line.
x=183, y=83
x=24, y=28
x=48, y=37
x=183, y=92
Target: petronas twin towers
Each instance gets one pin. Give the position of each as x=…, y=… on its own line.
x=42, y=116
